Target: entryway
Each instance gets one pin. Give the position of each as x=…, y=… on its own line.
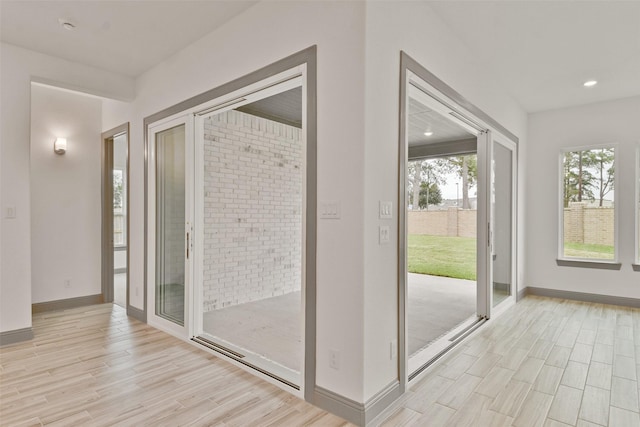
x=457, y=227
x=115, y=215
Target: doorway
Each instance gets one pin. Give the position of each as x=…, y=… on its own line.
x=115, y=215
x=457, y=228
x=231, y=229
x=252, y=178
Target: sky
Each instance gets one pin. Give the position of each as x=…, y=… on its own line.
x=451, y=191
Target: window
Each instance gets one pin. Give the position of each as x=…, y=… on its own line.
x=588, y=204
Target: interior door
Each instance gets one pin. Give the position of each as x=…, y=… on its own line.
x=170, y=243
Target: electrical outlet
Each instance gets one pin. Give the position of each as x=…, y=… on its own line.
x=393, y=349
x=384, y=234
x=334, y=359
x=67, y=283
x=10, y=212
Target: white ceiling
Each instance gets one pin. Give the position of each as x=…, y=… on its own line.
x=126, y=37
x=423, y=119
x=542, y=51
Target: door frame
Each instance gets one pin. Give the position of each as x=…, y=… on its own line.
x=107, y=261
x=464, y=111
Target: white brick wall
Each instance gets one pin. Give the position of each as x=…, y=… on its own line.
x=253, y=209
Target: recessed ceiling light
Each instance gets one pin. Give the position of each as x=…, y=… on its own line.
x=428, y=133
x=590, y=83
x=66, y=24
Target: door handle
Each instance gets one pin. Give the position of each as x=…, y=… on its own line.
x=187, y=245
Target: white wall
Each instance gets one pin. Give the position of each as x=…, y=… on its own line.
x=262, y=35
x=65, y=195
x=17, y=69
x=415, y=28
x=549, y=132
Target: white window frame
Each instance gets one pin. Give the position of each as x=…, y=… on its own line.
x=560, y=179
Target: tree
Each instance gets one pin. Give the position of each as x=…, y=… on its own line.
x=415, y=178
x=602, y=160
x=579, y=181
x=430, y=171
x=430, y=194
x=117, y=189
x=466, y=167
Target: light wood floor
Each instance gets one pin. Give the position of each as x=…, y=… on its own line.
x=95, y=367
x=544, y=362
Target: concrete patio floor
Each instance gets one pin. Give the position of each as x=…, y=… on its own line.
x=271, y=328
x=436, y=306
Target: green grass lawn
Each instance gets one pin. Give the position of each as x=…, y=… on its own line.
x=583, y=250
x=442, y=256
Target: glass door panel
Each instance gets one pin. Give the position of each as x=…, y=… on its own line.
x=170, y=225
x=502, y=222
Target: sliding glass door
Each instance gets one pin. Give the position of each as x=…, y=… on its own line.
x=230, y=231
x=457, y=256
x=227, y=226
x=445, y=298
x=251, y=174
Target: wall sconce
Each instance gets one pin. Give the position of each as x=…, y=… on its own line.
x=60, y=146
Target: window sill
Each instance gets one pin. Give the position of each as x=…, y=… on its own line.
x=636, y=267
x=602, y=265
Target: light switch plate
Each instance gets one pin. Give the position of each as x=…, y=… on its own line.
x=385, y=210
x=329, y=209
